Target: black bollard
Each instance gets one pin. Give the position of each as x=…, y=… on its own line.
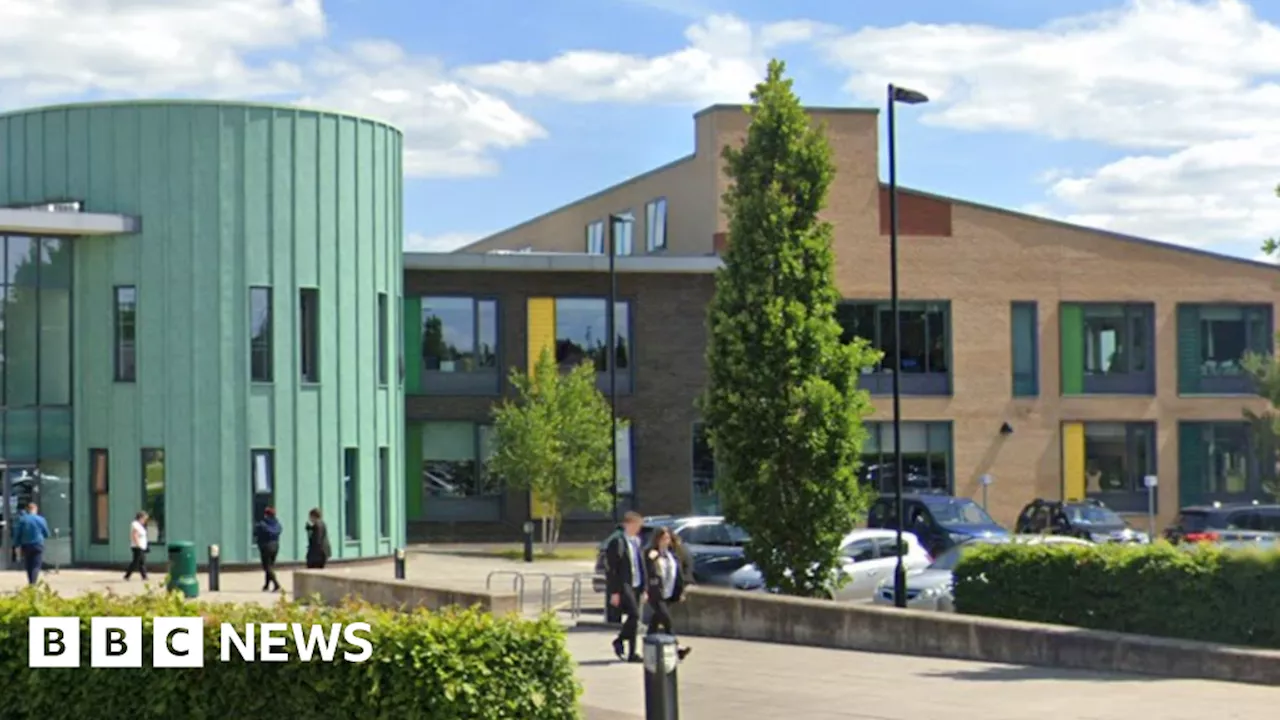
x=215, y=581
x=660, y=660
x=528, y=541
x=399, y=563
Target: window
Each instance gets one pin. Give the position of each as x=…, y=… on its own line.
x=35, y=324
x=309, y=334
x=126, y=333
x=926, y=348
x=1213, y=341
x=655, y=225
x=153, y=492
x=100, y=522
x=625, y=481
x=705, y=501
x=595, y=238
x=459, y=346
x=1117, y=456
x=384, y=492
x=1227, y=462
x=262, y=475
x=261, y=368
x=582, y=336
x=926, y=456
x=889, y=547
x=1026, y=354
x=1108, y=349
x=382, y=338
x=456, y=482
x=623, y=232
x=351, y=493
x=859, y=551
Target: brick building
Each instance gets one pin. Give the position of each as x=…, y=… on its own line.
x=1061, y=360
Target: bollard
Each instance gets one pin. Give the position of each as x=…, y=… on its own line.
x=528, y=541
x=660, y=660
x=399, y=563
x=215, y=579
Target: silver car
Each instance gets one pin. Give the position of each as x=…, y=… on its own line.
x=930, y=588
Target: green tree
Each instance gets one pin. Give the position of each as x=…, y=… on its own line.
x=782, y=409
x=1265, y=425
x=1271, y=245
x=553, y=440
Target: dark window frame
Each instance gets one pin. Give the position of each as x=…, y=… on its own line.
x=384, y=492
x=879, y=382
x=595, y=237
x=881, y=433
x=465, y=508
x=309, y=335
x=99, y=533
x=484, y=381
x=1237, y=384
x=383, y=340
x=698, y=476
x=123, y=373
x=626, y=375
x=260, y=501
x=655, y=209
x=351, y=494
x=1129, y=382
x=1133, y=499
x=262, y=348
x=1025, y=386
x=619, y=237
x=1258, y=447
x=147, y=507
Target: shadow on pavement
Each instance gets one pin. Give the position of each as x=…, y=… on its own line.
x=1006, y=673
x=596, y=713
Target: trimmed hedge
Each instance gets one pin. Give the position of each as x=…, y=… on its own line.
x=1197, y=593
x=455, y=665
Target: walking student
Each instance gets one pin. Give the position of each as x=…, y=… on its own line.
x=138, y=544
x=624, y=581
x=665, y=571
x=267, y=534
x=318, y=549
x=29, y=536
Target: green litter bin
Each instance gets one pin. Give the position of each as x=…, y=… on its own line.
x=182, y=569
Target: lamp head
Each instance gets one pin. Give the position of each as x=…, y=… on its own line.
x=907, y=96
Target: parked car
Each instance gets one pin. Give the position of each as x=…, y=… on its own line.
x=713, y=550
x=1232, y=525
x=869, y=556
x=930, y=588
x=1087, y=519
x=940, y=522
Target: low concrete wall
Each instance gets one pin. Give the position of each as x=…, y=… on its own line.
x=334, y=586
x=769, y=618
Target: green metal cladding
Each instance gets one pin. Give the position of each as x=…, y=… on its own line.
x=230, y=196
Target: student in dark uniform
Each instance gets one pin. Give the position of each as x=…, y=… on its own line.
x=666, y=581
x=624, y=582
x=318, y=549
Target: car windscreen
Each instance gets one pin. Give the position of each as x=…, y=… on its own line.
x=1092, y=515
x=1193, y=521
x=960, y=512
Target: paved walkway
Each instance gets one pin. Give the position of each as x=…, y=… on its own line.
x=760, y=681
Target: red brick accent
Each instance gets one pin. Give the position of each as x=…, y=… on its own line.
x=918, y=215
x=720, y=242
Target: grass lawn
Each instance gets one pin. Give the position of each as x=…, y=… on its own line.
x=577, y=553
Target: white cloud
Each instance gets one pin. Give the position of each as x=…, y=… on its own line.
x=62, y=50
x=1191, y=86
x=725, y=57
x=448, y=242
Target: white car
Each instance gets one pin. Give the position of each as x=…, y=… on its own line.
x=869, y=557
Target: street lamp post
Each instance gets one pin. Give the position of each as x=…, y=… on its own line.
x=907, y=97
x=610, y=240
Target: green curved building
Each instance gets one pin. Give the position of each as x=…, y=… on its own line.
x=200, y=321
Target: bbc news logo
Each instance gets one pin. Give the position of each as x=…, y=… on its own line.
x=178, y=642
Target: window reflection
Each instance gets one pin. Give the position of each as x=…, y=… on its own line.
x=582, y=333
x=459, y=334
x=35, y=322
x=923, y=332
x=454, y=460
x=153, y=487
x=1118, y=456
x=926, y=451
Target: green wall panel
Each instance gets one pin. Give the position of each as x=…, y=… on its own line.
x=412, y=326
x=1071, y=325
x=413, y=470
x=1191, y=463
x=230, y=195
x=1188, y=349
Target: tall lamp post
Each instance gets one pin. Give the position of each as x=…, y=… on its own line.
x=907, y=97
x=610, y=240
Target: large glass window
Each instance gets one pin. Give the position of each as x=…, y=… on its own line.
x=623, y=235
x=100, y=491
x=1026, y=355
x=582, y=336
x=35, y=324
x=384, y=492
x=126, y=333
x=459, y=346
x=1108, y=348
x=153, y=492
x=595, y=238
x=705, y=500
x=351, y=493
x=926, y=456
x=1117, y=456
x=262, y=481
x=261, y=362
x=456, y=481
x=309, y=334
x=382, y=339
x=1225, y=461
x=1213, y=341
x=926, y=344
x=655, y=225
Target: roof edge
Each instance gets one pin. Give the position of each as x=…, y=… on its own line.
x=561, y=262
x=825, y=109
x=163, y=102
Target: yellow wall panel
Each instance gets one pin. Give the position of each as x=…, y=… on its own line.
x=542, y=336
x=1073, y=484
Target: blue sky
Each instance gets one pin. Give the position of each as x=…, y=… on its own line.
x=1154, y=117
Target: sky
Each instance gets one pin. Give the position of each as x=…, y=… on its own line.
x=1159, y=118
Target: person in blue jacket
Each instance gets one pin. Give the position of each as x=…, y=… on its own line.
x=267, y=534
x=28, y=536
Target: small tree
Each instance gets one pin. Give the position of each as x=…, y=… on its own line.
x=553, y=440
x=783, y=411
x=1264, y=426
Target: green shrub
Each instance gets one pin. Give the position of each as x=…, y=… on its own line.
x=1200, y=593
x=463, y=665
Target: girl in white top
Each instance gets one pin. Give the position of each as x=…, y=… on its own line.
x=665, y=579
x=138, y=546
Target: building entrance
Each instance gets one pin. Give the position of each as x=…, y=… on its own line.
x=51, y=492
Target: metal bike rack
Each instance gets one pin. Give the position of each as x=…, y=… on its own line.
x=519, y=579
x=517, y=584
